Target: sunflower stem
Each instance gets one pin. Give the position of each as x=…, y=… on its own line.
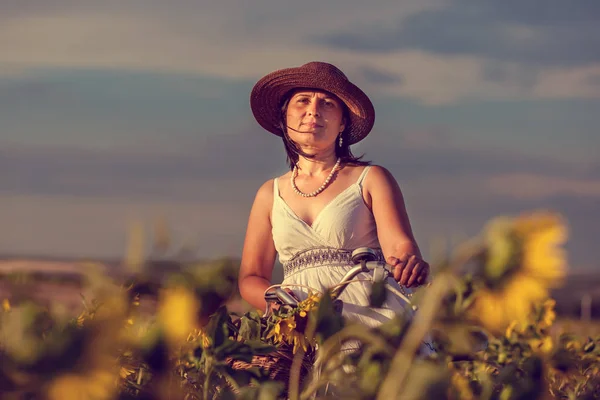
x=294, y=389
x=402, y=360
x=440, y=286
x=322, y=380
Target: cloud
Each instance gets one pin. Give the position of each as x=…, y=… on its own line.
x=378, y=77
x=253, y=40
x=179, y=36
x=508, y=73
x=61, y=225
x=539, y=187
x=568, y=83
x=433, y=79
x=72, y=201
x=554, y=33
x=234, y=165
x=435, y=151
x=216, y=168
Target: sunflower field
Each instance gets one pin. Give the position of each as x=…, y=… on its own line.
x=487, y=310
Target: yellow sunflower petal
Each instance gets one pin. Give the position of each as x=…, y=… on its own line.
x=177, y=312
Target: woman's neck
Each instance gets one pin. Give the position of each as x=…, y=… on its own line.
x=316, y=165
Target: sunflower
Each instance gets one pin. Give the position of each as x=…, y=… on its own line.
x=522, y=261
x=539, y=343
x=125, y=371
x=201, y=336
x=95, y=385
x=290, y=327
x=459, y=387
x=177, y=311
x=5, y=305
x=284, y=330
x=546, y=315
x=543, y=345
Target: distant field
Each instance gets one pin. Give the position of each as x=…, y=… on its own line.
x=577, y=327
x=58, y=280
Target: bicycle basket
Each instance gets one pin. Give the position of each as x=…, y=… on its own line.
x=278, y=364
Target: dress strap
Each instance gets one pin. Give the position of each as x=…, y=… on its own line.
x=362, y=175
x=275, y=189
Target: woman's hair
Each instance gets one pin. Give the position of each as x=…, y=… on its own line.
x=293, y=152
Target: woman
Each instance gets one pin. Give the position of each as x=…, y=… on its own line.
x=330, y=202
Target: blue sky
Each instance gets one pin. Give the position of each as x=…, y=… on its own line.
x=112, y=111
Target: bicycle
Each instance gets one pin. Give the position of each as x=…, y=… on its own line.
x=279, y=363
x=364, y=259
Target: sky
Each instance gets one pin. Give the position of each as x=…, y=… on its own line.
x=138, y=110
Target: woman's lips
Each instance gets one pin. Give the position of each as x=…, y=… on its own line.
x=312, y=125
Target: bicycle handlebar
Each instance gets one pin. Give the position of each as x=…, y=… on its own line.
x=364, y=259
x=279, y=295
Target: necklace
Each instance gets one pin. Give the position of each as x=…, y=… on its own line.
x=320, y=189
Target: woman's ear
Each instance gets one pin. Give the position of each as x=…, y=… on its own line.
x=343, y=125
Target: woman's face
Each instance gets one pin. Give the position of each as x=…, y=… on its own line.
x=315, y=119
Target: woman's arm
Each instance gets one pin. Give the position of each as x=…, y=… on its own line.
x=258, y=255
x=393, y=228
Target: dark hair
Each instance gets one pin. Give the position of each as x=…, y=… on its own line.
x=294, y=153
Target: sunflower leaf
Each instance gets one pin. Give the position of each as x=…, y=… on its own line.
x=217, y=328
x=243, y=377
x=328, y=322
x=266, y=391
x=378, y=294
x=250, y=328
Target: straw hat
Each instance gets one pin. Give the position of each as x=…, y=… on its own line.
x=269, y=93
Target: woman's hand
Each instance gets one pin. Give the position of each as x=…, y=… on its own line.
x=275, y=306
x=409, y=270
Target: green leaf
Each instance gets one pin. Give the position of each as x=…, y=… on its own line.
x=394, y=329
x=426, y=380
x=243, y=377
x=217, y=327
x=229, y=348
x=378, y=294
x=370, y=378
x=328, y=322
x=533, y=367
x=508, y=374
x=502, y=249
x=266, y=391
x=260, y=348
x=243, y=351
x=589, y=346
x=250, y=328
x=563, y=360
x=460, y=339
x=227, y=394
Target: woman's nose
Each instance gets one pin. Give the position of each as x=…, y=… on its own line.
x=313, y=109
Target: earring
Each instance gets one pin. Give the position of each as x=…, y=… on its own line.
x=340, y=142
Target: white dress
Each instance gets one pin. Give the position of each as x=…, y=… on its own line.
x=318, y=256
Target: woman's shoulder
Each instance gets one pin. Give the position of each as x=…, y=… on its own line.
x=371, y=170
x=378, y=176
x=266, y=190
x=263, y=200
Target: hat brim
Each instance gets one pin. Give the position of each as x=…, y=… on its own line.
x=268, y=94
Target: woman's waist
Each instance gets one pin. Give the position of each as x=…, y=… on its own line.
x=322, y=257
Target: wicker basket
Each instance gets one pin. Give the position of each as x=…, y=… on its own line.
x=278, y=364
